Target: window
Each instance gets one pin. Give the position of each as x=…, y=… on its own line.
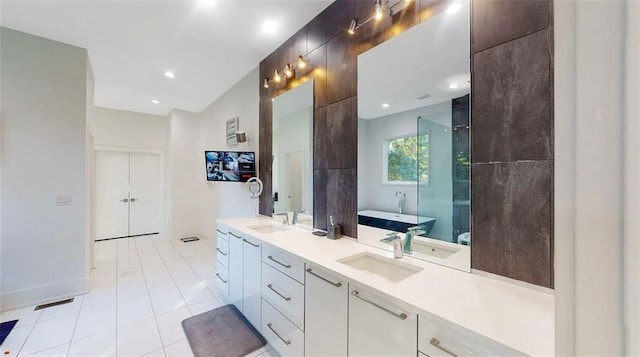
x=407, y=159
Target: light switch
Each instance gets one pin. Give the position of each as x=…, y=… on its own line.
x=63, y=200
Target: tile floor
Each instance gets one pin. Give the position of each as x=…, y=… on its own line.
x=141, y=290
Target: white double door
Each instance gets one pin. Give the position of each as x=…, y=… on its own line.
x=128, y=194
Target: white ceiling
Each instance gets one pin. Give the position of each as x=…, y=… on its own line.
x=425, y=59
x=210, y=45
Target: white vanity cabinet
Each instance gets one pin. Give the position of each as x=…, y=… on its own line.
x=251, y=273
x=235, y=268
x=222, y=264
x=326, y=313
x=437, y=337
x=380, y=327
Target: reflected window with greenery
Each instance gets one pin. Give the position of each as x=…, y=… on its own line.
x=401, y=158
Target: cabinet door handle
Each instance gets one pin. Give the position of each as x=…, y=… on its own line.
x=221, y=232
x=221, y=252
x=436, y=343
x=286, y=298
x=235, y=235
x=286, y=342
x=281, y=263
x=255, y=245
x=219, y=277
x=401, y=316
x=337, y=285
x=125, y=200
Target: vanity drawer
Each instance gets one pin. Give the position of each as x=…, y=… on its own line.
x=283, y=261
x=281, y=334
x=437, y=337
x=222, y=252
x=284, y=293
x=222, y=232
x=222, y=279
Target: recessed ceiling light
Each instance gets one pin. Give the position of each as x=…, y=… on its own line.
x=269, y=26
x=169, y=74
x=385, y=105
x=453, y=8
x=453, y=86
x=155, y=101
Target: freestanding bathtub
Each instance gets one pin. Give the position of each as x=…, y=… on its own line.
x=394, y=221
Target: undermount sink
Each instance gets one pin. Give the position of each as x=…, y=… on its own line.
x=433, y=250
x=390, y=269
x=269, y=228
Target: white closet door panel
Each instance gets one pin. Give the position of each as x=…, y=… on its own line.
x=112, y=188
x=144, y=186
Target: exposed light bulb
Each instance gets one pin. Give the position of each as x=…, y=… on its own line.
x=378, y=9
x=301, y=62
x=453, y=8
x=265, y=83
x=288, y=71
x=352, y=26
x=276, y=76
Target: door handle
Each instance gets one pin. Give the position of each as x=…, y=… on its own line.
x=124, y=200
x=135, y=199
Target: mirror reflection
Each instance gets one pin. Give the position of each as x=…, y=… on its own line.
x=292, y=168
x=413, y=141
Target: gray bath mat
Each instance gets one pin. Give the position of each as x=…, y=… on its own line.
x=222, y=332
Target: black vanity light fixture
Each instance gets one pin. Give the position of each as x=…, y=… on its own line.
x=379, y=10
x=288, y=72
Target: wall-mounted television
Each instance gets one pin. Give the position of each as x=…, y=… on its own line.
x=230, y=166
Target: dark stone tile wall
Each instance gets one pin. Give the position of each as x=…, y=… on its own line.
x=512, y=139
x=512, y=123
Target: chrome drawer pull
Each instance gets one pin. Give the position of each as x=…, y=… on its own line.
x=255, y=245
x=219, y=277
x=221, y=232
x=286, y=342
x=221, y=252
x=337, y=285
x=401, y=316
x=284, y=265
x=235, y=235
x=275, y=291
x=436, y=343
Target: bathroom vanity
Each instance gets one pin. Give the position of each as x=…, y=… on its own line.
x=313, y=296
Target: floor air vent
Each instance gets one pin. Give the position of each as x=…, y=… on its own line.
x=189, y=239
x=52, y=304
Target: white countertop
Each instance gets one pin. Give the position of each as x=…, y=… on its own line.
x=397, y=217
x=515, y=316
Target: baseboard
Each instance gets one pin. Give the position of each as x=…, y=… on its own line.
x=43, y=294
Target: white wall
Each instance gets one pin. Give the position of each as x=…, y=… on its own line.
x=436, y=198
x=184, y=173
x=227, y=199
x=589, y=147
x=43, y=155
x=112, y=127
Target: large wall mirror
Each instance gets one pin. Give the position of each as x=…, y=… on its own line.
x=413, y=139
x=293, y=154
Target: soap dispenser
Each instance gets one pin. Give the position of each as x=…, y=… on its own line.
x=408, y=241
x=334, y=231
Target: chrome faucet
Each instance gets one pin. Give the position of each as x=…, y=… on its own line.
x=285, y=220
x=296, y=214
